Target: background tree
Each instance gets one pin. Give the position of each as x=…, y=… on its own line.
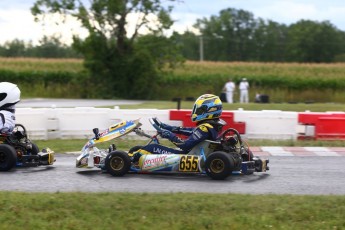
x=310, y=41
x=270, y=39
x=52, y=47
x=231, y=34
x=115, y=59
x=14, y=48
x=189, y=45
x=236, y=35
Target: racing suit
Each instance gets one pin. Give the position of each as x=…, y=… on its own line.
x=205, y=130
x=7, y=120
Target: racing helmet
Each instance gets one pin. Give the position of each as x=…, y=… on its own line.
x=9, y=94
x=207, y=106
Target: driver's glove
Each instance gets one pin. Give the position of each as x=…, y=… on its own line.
x=165, y=126
x=167, y=134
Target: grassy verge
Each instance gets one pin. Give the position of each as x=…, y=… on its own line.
x=296, y=107
x=283, y=82
x=169, y=211
x=63, y=146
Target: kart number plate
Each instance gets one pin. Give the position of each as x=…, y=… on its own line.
x=189, y=163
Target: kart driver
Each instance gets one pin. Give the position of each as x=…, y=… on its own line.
x=9, y=96
x=206, y=112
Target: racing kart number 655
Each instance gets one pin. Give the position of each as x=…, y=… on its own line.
x=217, y=159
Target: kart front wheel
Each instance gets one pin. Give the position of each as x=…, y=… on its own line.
x=219, y=165
x=8, y=157
x=117, y=163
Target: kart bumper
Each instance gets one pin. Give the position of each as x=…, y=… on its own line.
x=257, y=165
x=46, y=157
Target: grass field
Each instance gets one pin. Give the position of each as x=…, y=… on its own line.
x=169, y=211
x=192, y=68
x=283, y=82
x=297, y=107
x=41, y=64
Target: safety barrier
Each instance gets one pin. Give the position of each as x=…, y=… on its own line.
x=76, y=123
x=321, y=126
x=64, y=123
x=268, y=124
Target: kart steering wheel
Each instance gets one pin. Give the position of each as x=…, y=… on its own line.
x=226, y=138
x=154, y=122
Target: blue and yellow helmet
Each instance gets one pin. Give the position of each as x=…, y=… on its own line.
x=207, y=106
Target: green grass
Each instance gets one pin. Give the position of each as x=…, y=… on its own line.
x=283, y=82
x=169, y=211
x=298, y=107
x=63, y=146
x=41, y=64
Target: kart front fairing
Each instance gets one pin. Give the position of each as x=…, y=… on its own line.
x=91, y=156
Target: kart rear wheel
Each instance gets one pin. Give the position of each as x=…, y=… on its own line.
x=8, y=157
x=219, y=165
x=117, y=163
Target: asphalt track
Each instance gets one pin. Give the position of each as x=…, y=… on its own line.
x=317, y=175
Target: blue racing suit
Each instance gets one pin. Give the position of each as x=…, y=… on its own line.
x=206, y=130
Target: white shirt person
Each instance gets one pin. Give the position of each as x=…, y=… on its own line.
x=229, y=89
x=244, y=91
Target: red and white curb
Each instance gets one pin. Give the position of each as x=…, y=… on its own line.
x=298, y=151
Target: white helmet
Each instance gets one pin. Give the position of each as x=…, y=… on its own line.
x=9, y=94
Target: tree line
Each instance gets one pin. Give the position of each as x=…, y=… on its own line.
x=48, y=47
x=236, y=35
x=233, y=35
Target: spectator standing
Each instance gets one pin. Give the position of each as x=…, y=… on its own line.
x=229, y=89
x=244, y=91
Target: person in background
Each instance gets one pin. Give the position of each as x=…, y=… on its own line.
x=244, y=91
x=229, y=89
x=9, y=97
x=258, y=98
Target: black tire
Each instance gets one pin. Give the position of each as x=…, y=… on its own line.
x=35, y=150
x=135, y=148
x=247, y=156
x=8, y=157
x=219, y=165
x=117, y=163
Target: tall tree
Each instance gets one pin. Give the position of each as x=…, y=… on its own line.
x=111, y=54
x=270, y=40
x=310, y=41
x=231, y=33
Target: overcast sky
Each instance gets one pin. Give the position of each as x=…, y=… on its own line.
x=16, y=20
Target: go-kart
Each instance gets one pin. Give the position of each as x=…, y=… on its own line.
x=16, y=149
x=217, y=159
